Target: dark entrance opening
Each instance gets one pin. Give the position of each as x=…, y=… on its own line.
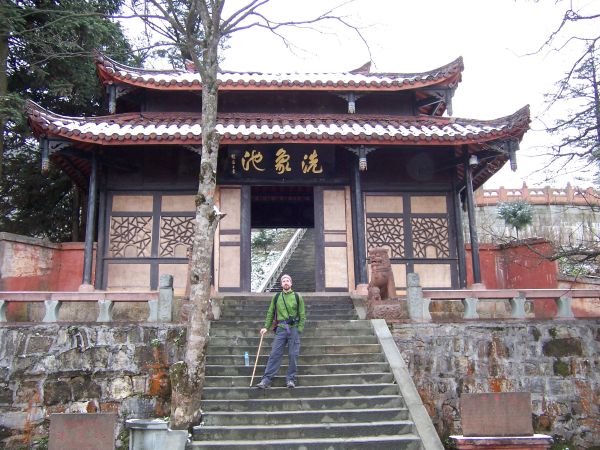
x=282, y=222
x=282, y=207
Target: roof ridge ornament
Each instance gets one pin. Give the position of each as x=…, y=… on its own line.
x=365, y=68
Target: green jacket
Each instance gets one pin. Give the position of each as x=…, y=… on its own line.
x=290, y=301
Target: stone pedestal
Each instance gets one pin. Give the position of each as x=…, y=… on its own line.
x=535, y=442
x=86, y=288
x=154, y=434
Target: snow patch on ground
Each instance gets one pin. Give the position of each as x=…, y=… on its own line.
x=264, y=258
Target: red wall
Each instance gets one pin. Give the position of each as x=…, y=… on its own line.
x=518, y=266
x=29, y=264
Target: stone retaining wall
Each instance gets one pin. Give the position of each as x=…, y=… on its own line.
x=51, y=368
x=557, y=361
x=55, y=368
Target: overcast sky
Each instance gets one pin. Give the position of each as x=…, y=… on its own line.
x=493, y=36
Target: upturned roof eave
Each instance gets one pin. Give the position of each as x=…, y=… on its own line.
x=44, y=122
x=111, y=72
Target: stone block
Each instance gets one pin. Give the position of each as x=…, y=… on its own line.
x=84, y=388
x=39, y=344
x=6, y=395
x=27, y=391
x=82, y=431
x=56, y=392
x=496, y=414
x=120, y=388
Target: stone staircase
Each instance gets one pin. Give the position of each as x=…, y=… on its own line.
x=346, y=398
x=301, y=265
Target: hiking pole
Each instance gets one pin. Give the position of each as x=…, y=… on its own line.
x=256, y=361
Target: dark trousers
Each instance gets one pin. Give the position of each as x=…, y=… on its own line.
x=281, y=340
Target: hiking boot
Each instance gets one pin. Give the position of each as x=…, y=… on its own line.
x=263, y=385
x=291, y=384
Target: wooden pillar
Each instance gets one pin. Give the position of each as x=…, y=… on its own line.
x=472, y=221
x=100, y=249
x=89, y=225
x=245, y=239
x=358, y=225
x=460, y=241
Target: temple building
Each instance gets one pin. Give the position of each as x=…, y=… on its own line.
x=364, y=159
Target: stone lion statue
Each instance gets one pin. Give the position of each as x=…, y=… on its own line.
x=382, y=276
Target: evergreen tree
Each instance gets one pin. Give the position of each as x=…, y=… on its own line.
x=46, y=55
x=517, y=214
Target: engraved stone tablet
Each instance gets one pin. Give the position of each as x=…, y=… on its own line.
x=496, y=414
x=82, y=431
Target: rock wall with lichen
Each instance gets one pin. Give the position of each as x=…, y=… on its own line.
x=122, y=368
x=56, y=368
x=558, y=362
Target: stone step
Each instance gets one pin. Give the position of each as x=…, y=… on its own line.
x=304, y=380
x=312, y=324
x=306, y=340
x=310, y=298
x=260, y=315
x=310, y=349
x=308, y=306
x=316, y=369
x=258, y=417
x=237, y=360
x=338, y=390
x=399, y=442
x=296, y=431
x=252, y=331
x=268, y=404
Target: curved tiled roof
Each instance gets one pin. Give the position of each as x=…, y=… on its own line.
x=446, y=76
x=167, y=128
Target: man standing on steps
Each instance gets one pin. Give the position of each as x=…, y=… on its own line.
x=287, y=312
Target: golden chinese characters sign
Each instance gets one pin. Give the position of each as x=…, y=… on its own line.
x=283, y=162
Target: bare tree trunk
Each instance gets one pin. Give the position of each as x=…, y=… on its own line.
x=187, y=377
x=3, y=92
x=596, y=94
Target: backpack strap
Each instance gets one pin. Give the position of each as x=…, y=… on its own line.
x=275, y=319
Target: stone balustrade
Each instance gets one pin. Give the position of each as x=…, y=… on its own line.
x=419, y=300
x=570, y=195
x=160, y=302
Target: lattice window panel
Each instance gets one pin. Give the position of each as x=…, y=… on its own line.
x=130, y=232
x=430, y=232
x=174, y=231
x=386, y=232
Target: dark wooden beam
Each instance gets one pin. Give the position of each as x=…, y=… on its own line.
x=89, y=226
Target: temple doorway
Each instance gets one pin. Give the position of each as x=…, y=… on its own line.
x=283, y=240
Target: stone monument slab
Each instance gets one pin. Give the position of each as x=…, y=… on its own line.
x=82, y=431
x=496, y=414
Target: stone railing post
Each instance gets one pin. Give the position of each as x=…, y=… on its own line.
x=564, y=307
x=3, y=310
x=52, y=309
x=517, y=306
x=165, y=299
x=105, y=308
x=470, y=304
x=418, y=307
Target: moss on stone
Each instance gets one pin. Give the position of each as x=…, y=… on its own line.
x=552, y=333
x=536, y=333
x=563, y=347
x=561, y=368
